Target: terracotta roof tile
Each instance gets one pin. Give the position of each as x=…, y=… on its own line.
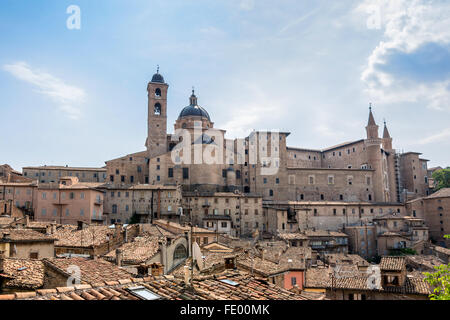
x=140, y=250
x=25, y=273
x=91, y=271
x=70, y=236
x=393, y=263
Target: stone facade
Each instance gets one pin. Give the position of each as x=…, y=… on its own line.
x=226, y=212
x=52, y=174
x=69, y=201
x=147, y=202
x=435, y=210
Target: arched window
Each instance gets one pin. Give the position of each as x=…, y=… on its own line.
x=180, y=252
x=157, y=109
x=158, y=92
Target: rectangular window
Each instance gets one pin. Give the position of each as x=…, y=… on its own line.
x=185, y=173
x=81, y=212
x=170, y=174
x=131, y=179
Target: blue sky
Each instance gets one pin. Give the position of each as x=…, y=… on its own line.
x=78, y=97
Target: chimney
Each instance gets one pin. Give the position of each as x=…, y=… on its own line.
x=2, y=261
x=163, y=253
x=187, y=276
x=27, y=220
x=6, y=236
x=119, y=257
x=53, y=228
x=118, y=229
x=262, y=253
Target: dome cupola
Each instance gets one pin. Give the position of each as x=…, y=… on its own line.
x=193, y=109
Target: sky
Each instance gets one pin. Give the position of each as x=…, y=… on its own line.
x=77, y=96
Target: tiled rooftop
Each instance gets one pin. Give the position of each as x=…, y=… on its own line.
x=70, y=236
x=91, y=271
x=341, y=258
x=317, y=277
x=25, y=235
x=412, y=285
x=25, y=273
x=443, y=193
x=139, y=250
x=240, y=286
x=392, y=263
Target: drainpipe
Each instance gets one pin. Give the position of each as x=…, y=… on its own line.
x=158, y=213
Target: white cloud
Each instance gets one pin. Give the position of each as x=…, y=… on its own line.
x=247, y=5
x=408, y=25
x=299, y=20
x=443, y=135
x=66, y=96
x=252, y=113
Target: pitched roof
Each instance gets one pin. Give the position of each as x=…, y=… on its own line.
x=25, y=273
x=70, y=236
x=25, y=235
x=91, y=271
x=317, y=277
x=393, y=263
x=412, y=285
x=239, y=285
x=141, y=249
x=442, y=193
x=229, y=285
x=341, y=258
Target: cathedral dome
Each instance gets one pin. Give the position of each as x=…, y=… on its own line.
x=193, y=109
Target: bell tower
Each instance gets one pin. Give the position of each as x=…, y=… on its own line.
x=157, y=115
x=374, y=157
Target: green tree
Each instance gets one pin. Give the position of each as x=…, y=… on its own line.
x=134, y=219
x=440, y=280
x=442, y=178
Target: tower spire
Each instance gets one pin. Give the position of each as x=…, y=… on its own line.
x=386, y=131
x=371, y=121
